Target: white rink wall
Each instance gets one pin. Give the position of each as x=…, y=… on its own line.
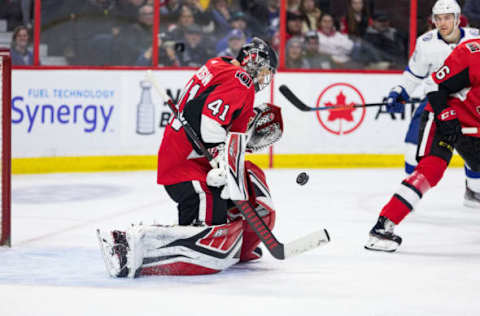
x=59, y=113
x=356, y=131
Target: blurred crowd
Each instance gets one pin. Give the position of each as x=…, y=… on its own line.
x=119, y=32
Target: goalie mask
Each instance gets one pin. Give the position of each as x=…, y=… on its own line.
x=260, y=61
x=266, y=128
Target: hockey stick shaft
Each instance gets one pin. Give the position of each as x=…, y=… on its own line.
x=292, y=98
x=277, y=249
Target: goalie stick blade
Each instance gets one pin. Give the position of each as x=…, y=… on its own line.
x=292, y=98
x=277, y=249
x=306, y=243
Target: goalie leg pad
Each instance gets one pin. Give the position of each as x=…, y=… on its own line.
x=172, y=250
x=190, y=250
x=259, y=197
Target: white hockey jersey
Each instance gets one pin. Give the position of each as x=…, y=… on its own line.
x=430, y=53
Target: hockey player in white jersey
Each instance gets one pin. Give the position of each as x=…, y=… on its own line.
x=432, y=48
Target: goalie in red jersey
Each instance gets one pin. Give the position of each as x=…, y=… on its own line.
x=211, y=235
x=450, y=121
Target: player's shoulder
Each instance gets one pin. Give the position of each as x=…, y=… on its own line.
x=428, y=41
x=428, y=37
x=232, y=74
x=470, y=32
x=471, y=46
x=218, y=64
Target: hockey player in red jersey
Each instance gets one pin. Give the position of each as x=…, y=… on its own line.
x=211, y=236
x=450, y=121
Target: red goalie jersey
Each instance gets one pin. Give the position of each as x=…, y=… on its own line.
x=217, y=99
x=460, y=75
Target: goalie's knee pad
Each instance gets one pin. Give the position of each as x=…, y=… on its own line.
x=260, y=199
x=190, y=250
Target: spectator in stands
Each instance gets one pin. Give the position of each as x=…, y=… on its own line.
x=128, y=9
x=169, y=13
x=201, y=15
x=86, y=19
x=238, y=21
x=312, y=54
x=11, y=10
x=265, y=16
x=311, y=15
x=19, y=47
x=390, y=44
x=166, y=53
x=293, y=6
x=197, y=47
x=294, y=28
x=324, y=5
x=185, y=19
x=471, y=9
x=294, y=24
x=236, y=39
x=357, y=20
x=221, y=15
x=137, y=37
x=27, y=13
x=122, y=45
x=294, y=54
x=335, y=44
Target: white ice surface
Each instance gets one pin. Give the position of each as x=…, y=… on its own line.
x=55, y=268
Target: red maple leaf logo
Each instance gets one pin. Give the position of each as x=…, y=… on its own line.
x=345, y=112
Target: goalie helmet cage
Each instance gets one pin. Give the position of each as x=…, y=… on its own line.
x=5, y=88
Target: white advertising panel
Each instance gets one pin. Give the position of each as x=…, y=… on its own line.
x=116, y=112
x=350, y=130
x=89, y=112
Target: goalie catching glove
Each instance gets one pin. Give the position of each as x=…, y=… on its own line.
x=266, y=127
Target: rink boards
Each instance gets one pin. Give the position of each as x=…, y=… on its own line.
x=81, y=120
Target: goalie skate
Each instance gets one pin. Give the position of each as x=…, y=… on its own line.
x=114, y=252
x=382, y=237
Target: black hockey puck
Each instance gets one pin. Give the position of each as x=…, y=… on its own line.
x=302, y=178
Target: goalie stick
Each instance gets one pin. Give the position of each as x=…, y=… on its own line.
x=277, y=249
x=292, y=98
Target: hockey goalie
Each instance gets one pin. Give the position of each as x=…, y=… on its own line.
x=211, y=234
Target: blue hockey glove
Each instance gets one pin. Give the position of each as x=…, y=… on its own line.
x=395, y=98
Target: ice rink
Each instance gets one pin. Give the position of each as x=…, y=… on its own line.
x=55, y=267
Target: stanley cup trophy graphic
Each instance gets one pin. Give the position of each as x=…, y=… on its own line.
x=145, y=110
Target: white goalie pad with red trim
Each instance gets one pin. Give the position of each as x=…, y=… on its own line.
x=235, y=155
x=184, y=250
x=261, y=200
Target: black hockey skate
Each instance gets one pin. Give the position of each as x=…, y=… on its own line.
x=382, y=237
x=471, y=199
